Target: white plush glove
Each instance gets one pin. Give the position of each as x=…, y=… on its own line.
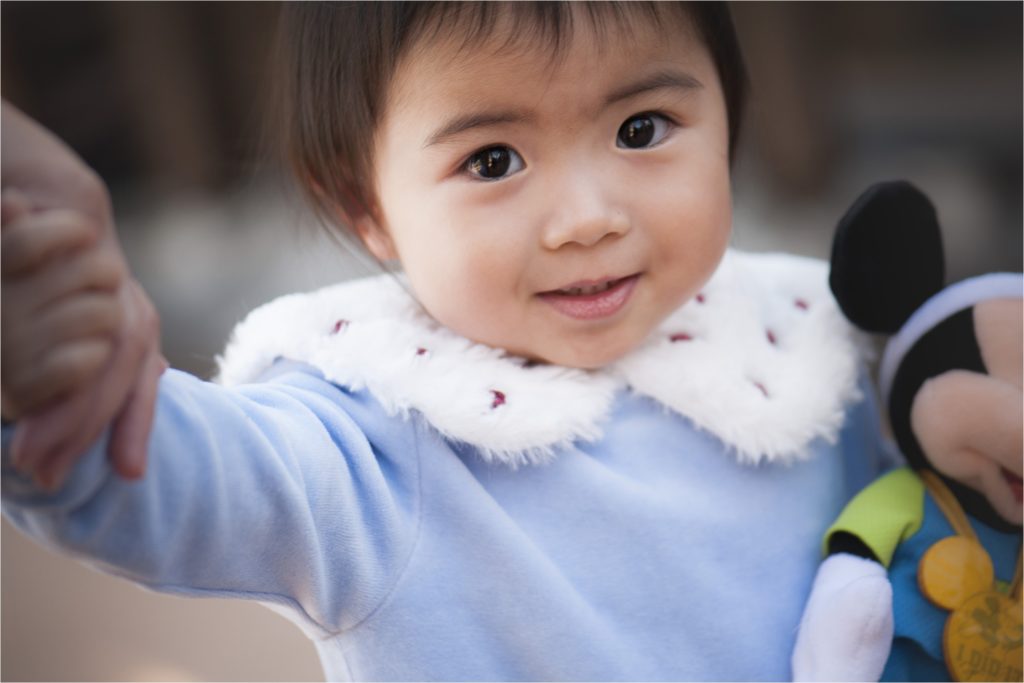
x=846, y=631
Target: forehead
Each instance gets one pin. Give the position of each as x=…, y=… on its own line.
x=465, y=47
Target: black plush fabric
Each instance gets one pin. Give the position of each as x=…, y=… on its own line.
x=845, y=542
x=886, y=257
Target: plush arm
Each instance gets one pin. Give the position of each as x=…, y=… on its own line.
x=847, y=627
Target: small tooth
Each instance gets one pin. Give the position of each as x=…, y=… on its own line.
x=586, y=291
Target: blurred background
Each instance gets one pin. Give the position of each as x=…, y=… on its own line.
x=164, y=100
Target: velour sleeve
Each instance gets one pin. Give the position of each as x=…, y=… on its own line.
x=271, y=491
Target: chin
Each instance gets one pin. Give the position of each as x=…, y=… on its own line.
x=588, y=359
x=568, y=360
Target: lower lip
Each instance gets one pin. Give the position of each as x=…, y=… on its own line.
x=593, y=306
x=1015, y=484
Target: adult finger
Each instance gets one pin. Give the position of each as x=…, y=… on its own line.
x=13, y=205
x=71, y=427
x=97, y=270
x=30, y=388
x=36, y=237
x=38, y=433
x=37, y=313
x=30, y=337
x=129, y=440
x=88, y=314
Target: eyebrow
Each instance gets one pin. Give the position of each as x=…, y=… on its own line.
x=461, y=124
x=674, y=80
x=657, y=81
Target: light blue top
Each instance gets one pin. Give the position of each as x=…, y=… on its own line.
x=649, y=554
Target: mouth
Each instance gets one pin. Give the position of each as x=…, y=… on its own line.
x=1015, y=484
x=592, y=299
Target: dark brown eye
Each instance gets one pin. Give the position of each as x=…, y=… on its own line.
x=494, y=163
x=642, y=130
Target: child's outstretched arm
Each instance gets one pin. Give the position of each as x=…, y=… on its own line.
x=39, y=173
x=274, y=491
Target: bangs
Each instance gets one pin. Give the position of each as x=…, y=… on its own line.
x=537, y=26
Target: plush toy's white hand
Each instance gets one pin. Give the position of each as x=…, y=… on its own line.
x=847, y=627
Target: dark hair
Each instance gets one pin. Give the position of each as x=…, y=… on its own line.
x=338, y=60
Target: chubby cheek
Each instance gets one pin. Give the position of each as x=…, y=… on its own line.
x=693, y=229
x=465, y=284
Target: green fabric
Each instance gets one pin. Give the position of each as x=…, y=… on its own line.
x=884, y=514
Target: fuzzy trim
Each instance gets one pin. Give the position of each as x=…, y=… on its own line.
x=762, y=358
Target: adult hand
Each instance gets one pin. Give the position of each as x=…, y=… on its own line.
x=48, y=175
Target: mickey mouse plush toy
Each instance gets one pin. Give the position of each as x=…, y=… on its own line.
x=922, y=579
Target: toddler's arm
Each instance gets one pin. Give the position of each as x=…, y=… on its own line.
x=269, y=491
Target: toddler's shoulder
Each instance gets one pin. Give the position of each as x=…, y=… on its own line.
x=293, y=325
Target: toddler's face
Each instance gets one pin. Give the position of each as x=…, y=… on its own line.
x=559, y=208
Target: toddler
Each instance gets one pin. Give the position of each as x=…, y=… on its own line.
x=576, y=438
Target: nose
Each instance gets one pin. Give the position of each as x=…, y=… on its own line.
x=585, y=211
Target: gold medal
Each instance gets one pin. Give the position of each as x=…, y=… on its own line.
x=982, y=639
x=953, y=570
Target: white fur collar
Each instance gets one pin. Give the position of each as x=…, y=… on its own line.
x=762, y=358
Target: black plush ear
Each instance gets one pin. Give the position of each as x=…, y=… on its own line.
x=886, y=256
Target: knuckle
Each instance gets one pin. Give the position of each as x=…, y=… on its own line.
x=75, y=228
x=108, y=271
x=91, y=270
x=149, y=319
x=76, y=363
x=65, y=321
x=111, y=315
x=43, y=239
x=86, y=192
x=89, y=315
